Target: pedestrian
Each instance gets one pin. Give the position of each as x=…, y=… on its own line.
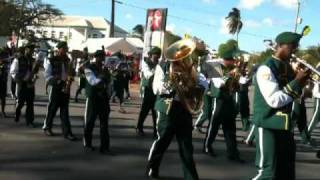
x=276, y=86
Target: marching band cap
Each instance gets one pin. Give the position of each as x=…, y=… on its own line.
x=155, y=50
x=99, y=53
x=62, y=44
x=228, y=50
x=288, y=38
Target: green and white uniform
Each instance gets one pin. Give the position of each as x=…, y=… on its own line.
x=172, y=120
x=97, y=105
x=274, y=92
x=149, y=97
x=223, y=113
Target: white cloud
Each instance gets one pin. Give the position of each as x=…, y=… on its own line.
x=128, y=16
x=257, y=24
x=171, y=27
x=268, y=21
x=224, y=26
x=250, y=4
x=252, y=24
x=289, y=4
x=208, y=1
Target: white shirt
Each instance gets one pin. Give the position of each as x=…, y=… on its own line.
x=91, y=77
x=269, y=88
x=146, y=71
x=48, y=71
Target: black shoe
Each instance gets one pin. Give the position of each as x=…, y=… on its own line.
x=210, y=152
x=106, y=152
x=236, y=159
x=152, y=173
x=199, y=129
x=70, y=137
x=16, y=119
x=318, y=154
x=4, y=115
x=48, y=132
x=31, y=124
x=140, y=132
x=88, y=148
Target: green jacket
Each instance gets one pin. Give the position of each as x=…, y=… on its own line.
x=276, y=118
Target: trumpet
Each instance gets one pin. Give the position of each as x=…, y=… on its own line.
x=294, y=58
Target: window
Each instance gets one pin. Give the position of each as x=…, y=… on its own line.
x=61, y=35
x=103, y=36
x=53, y=34
x=95, y=36
x=45, y=34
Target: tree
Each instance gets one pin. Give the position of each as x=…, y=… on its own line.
x=234, y=22
x=19, y=14
x=138, y=31
x=311, y=55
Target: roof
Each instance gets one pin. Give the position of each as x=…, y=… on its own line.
x=94, y=44
x=82, y=21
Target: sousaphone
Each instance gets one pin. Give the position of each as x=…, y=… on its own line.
x=183, y=74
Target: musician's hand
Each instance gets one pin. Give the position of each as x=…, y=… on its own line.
x=302, y=76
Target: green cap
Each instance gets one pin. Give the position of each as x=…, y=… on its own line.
x=227, y=50
x=99, y=53
x=62, y=44
x=155, y=50
x=288, y=38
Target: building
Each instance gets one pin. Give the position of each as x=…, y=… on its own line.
x=77, y=30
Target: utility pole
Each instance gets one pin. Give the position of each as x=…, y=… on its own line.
x=111, y=32
x=298, y=20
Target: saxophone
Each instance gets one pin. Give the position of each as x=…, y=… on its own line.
x=70, y=76
x=183, y=75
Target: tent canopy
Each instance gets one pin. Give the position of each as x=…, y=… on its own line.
x=123, y=46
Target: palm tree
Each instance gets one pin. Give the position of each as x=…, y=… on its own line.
x=138, y=31
x=234, y=22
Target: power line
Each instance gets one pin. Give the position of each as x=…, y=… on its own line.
x=192, y=21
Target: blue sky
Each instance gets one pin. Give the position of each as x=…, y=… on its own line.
x=204, y=18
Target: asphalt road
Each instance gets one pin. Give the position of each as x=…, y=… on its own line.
x=27, y=154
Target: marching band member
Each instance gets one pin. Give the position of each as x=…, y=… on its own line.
x=24, y=71
x=205, y=113
x=173, y=118
x=97, y=103
x=275, y=90
x=149, y=97
x=224, y=110
x=57, y=74
x=316, y=114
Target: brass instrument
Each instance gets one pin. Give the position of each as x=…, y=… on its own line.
x=302, y=63
x=70, y=76
x=183, y=75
